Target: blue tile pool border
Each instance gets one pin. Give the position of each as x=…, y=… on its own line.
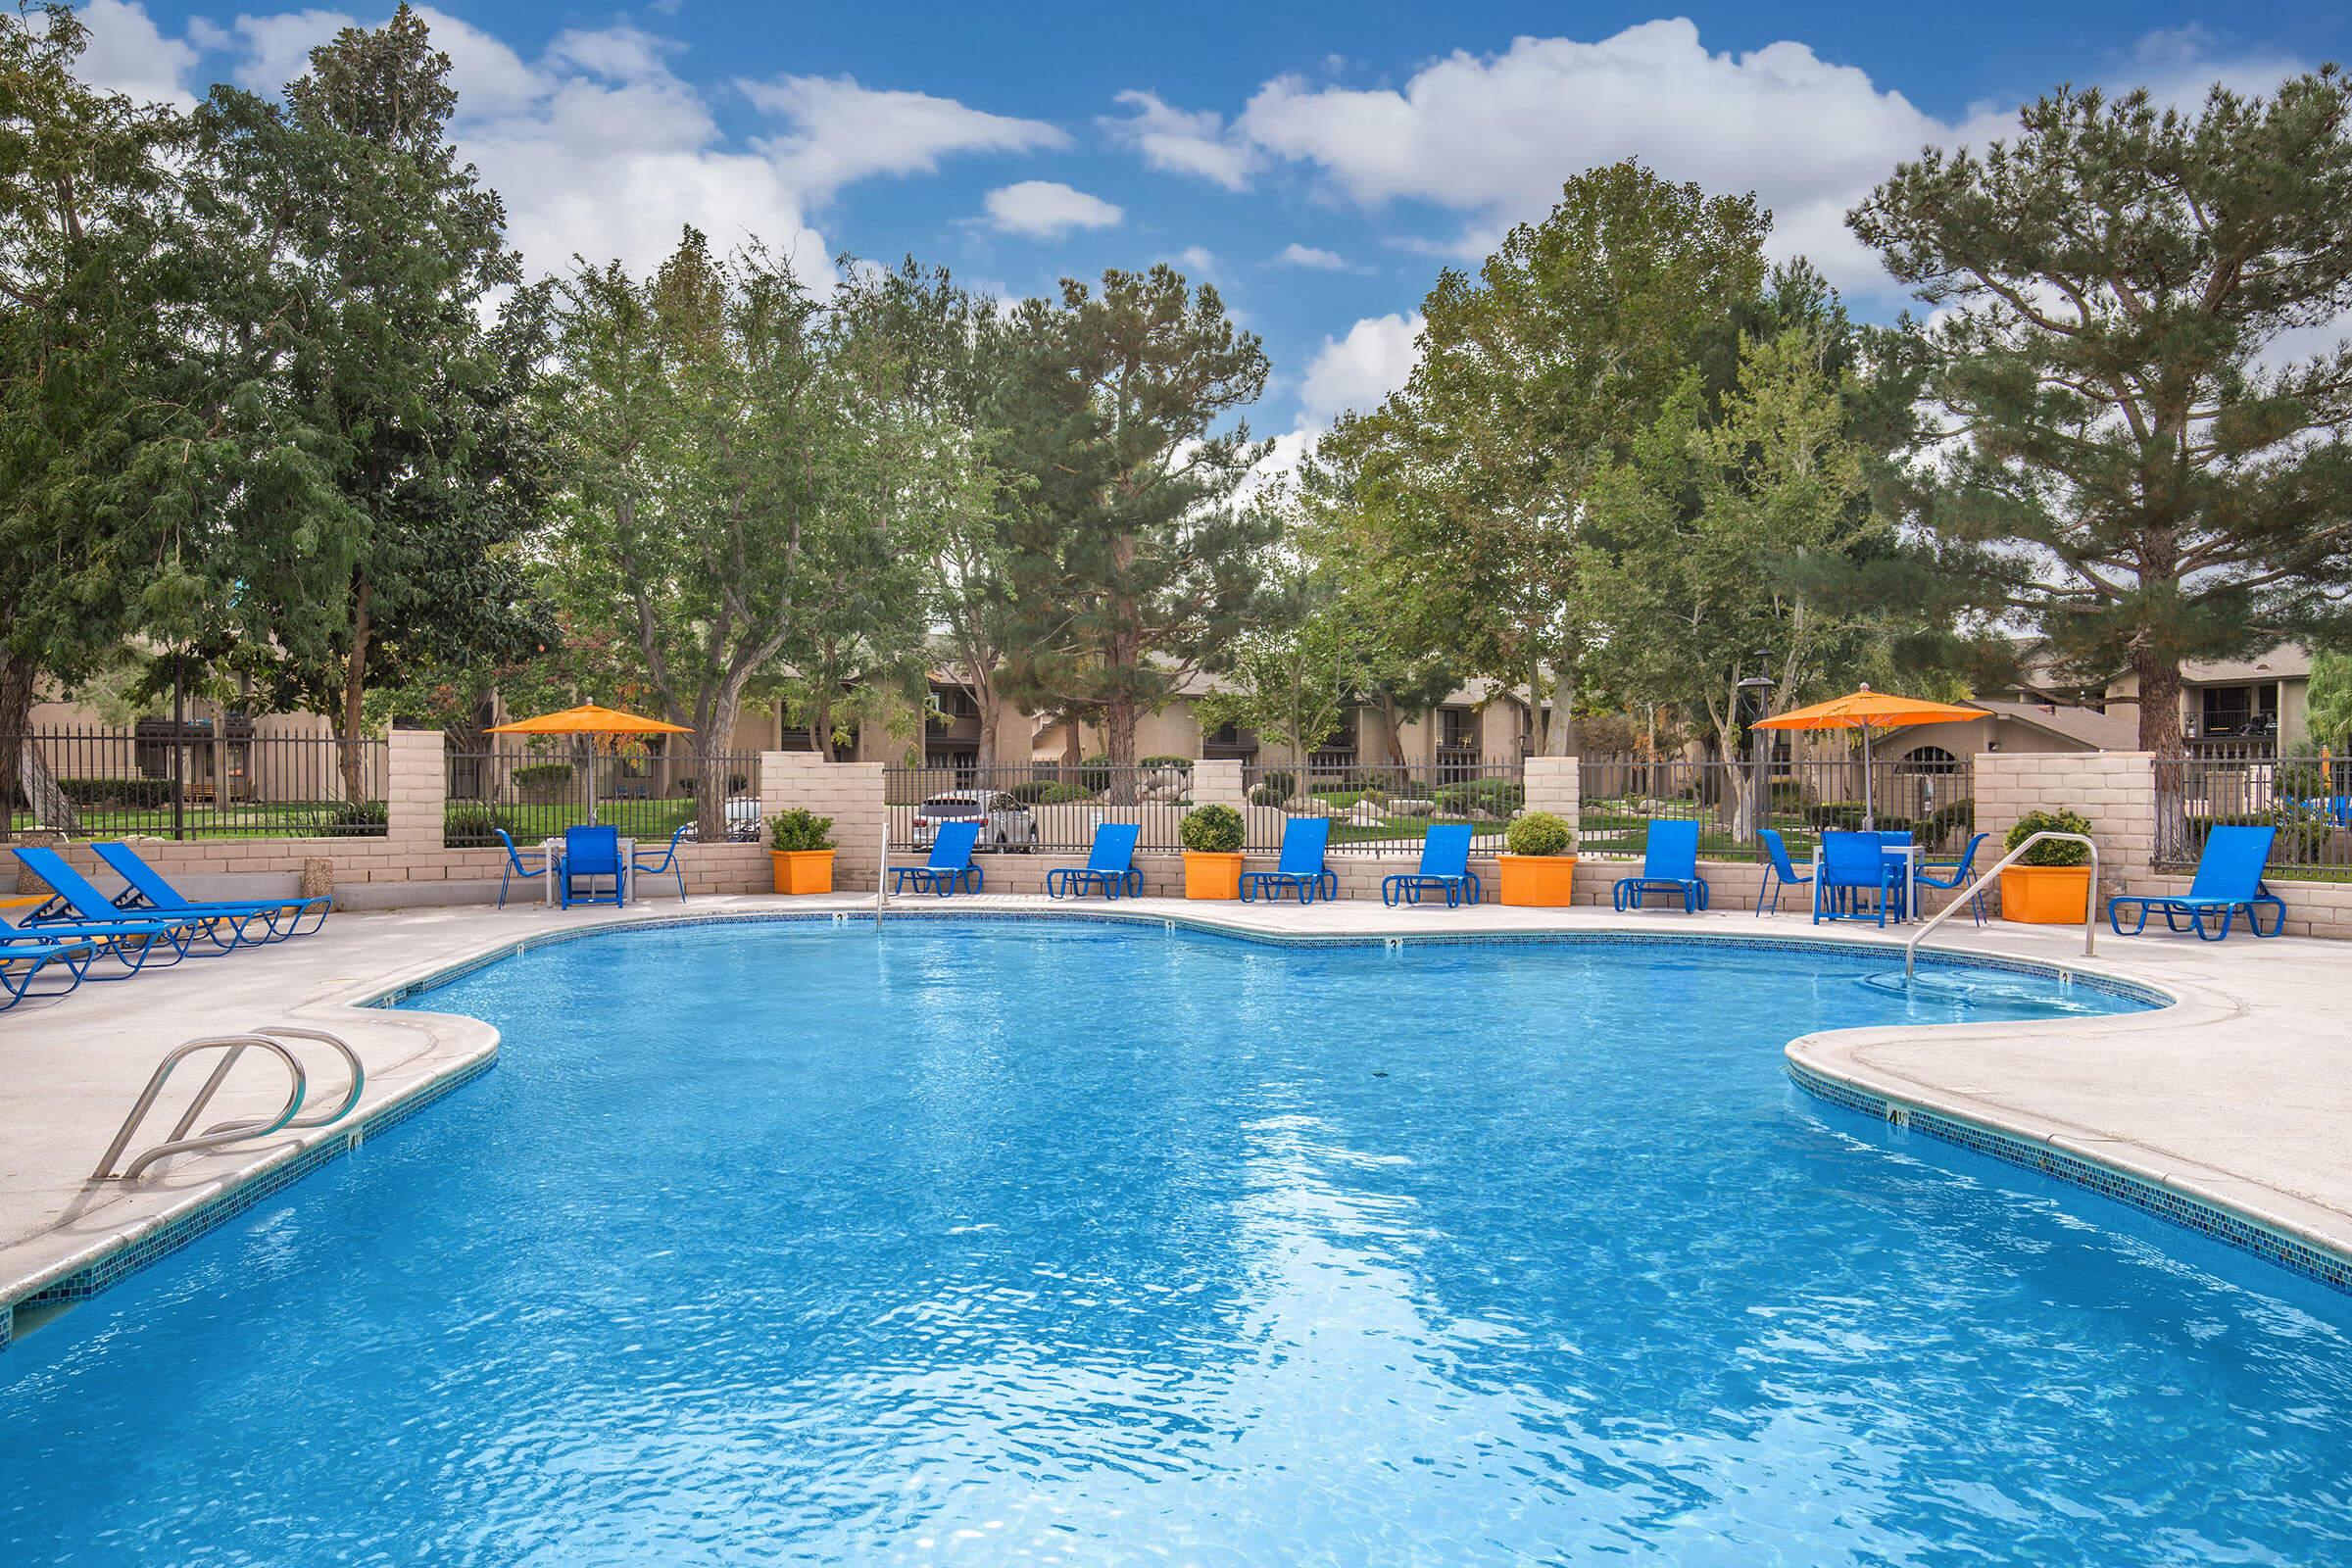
x=2214, y=1221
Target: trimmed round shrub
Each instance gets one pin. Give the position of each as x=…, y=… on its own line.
x=1211, y=830
x=1095, y=774
x=2054, y=852
x=1182, y=764
x=469, y=825
x=1540, y=833
x=1048, y=792
x=1482, y=796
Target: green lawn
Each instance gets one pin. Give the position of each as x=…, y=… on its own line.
x=527, y=824
x=272, y=819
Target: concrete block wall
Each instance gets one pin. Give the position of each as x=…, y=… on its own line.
x=1555, y=785
x=2115, y=790
x=850, y=793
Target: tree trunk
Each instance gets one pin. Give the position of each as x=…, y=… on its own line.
x=355, y=692
x=17, y=672
x=1391, y=717
x=717, y=733
x=1119, y=728
x=992, y=719
x=1073, y=740
x=2159, y=703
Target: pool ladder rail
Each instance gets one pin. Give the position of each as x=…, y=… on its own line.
x=2090, y=903
x=271, y=1039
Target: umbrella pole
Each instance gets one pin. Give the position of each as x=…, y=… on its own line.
x=1869, y=809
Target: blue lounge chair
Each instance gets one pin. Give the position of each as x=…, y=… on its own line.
x=1853, y=864
x=1960, y=869
x=1780, y=875
x=147, y=892
x=1445, y=866
x=132, y=941
x=1669, y=864
x=2228, y=879
x=590, y=854
x=1109, y=866
x=21, y=959
x=950, y=868
x=668, y=865
x=518, y=864
x=74, y=903
x=1300, y=869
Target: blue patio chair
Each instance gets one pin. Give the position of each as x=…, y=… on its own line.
x=590, y=854
x=1853, y=864
x=1961, y=869
x=2228, y=879
x=1780, y=875
x=75, y=901
x=950, y=869
x=1445, y=866
x=1109, y=866
x=516, y=865
x=666, y=865
x=146, y=891
x=1669, y=864
x=1300, y=869
x=22, y=961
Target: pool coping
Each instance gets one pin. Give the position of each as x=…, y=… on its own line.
x=2306, y=1239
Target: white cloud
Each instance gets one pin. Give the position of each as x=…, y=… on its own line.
x=842, y=131
x=1312, y=257
x=1045, y=209
x=1492, y=137
x=1198, y=259
x=130, y=55
x=1184, y=141
x=1359, y=371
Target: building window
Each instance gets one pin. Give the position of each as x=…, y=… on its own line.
x=1457, y=729
x=1928, y=759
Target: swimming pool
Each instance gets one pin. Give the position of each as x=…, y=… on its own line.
x=1020, y=1241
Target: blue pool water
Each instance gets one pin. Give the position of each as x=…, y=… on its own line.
x=1006, y=1242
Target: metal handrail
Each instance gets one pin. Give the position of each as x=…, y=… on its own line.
x=2091, y=901
x=325, y=1118
x=233, y=1047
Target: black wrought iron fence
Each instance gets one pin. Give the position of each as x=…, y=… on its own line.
x=535, y=791
x=1042, y=807
x=1934, y=802
x=1382, y=807
x=2308, y=800
x=194, y=780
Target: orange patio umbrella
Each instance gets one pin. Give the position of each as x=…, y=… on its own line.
x=1867, y=711
x=589, y=719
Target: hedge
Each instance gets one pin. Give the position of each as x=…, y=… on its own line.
x=141, y=793
x=1049, y=792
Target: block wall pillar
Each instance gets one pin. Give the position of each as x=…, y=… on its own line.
x=850, y=793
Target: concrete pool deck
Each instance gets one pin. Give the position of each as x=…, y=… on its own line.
x=2235, y=1095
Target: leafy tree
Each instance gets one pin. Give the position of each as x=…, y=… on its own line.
x=93, y=379
x=2330, y=716
x=1535, y=376
x=2138, y=457
x=1130, y=518
x=1293, y=675
x=375, y=461
x=737, y=486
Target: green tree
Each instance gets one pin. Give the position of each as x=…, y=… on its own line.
x=1533, y=377
x=737, y=483
x=2329, y=720
x=2136, y=455
x=94, y=378
x=376, y=462
x=1293, y=675
x=1129, y=518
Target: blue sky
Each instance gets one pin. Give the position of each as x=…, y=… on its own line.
x=1318, y=163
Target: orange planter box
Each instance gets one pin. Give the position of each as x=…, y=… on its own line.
x=1212, y=876
x=802, y=870
x=1537, y=881
x=2045, y=895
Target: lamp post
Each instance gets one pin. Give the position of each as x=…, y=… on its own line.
x=1755, y=700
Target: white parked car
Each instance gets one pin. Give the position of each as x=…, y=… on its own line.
x=1006, y=823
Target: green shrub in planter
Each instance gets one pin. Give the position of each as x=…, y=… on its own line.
x=2052, y=852
x=1540, y=833
x=1211, y=830
x=800, y=829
